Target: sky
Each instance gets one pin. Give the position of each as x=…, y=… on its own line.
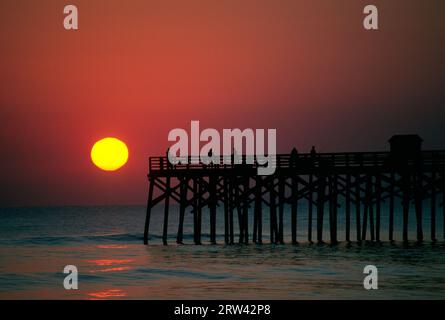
x=136, y=69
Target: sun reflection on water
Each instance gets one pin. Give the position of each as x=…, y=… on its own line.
x=110, y=293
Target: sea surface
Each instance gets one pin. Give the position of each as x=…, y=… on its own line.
x=105, y=244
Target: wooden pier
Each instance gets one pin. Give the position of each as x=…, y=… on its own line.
x=353, y=184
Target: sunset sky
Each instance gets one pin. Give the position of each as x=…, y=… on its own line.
x=136, y=69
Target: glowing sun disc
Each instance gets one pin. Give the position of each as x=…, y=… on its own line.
x=109, y=154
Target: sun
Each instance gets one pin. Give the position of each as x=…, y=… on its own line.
x=109, y=154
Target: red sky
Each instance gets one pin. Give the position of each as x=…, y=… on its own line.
x=138, y=68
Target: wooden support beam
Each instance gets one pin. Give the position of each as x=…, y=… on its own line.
x=335, y=209
x=255, y=212
x=366, y=208
x=365, y=220
x=378, y=210
x=231, y=207
x=258, y=228
x=281, y=189
x=418, y=205
x=348, y=206
x=294, y=208
x=199, y=212
x=433, y=204
x=391, y=205
x=148, y=213
x=237, y=202
x=443, y=209
x=226, y=210
x=371, y=219
x=371, y=207
x=310, y=207
x=182, y=205
x=357, y=207
x=195, y=210
x=166, y=211
x=273, y=212
x=405, y=205
x=331, y=208
x=212, y=207
x=246, y=187
x=320, y=206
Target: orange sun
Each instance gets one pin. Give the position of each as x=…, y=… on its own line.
x=109, y=154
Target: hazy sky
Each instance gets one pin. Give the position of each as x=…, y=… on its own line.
x=137, y=69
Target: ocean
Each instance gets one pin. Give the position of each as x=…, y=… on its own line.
x=105, y=244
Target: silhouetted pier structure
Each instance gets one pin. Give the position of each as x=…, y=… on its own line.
x=359, y=181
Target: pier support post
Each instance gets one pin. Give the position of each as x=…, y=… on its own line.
x=348, y=201
x=281, y=199
x=212, y=207
x=443, y=201
x=443, y=208
x=358, y=204
x=148, y=213
x=433, y=204
x=332, y=209
x=166, y=210
x=231, y=207
x=182, y=205
x=273, y=212
x=418, y=205
x=294, y=208
x=405, y=204
x=226, y=210
x=195, y=210
x=371, y=208
x=245, y=197
x=335, y=209
x=199, y=211
x=378, y=205
x=391, y=205
x=320, y=206
x=310, y=207
x=237, y=203
x=258, y=227
x=348, y=205
x=366, y=203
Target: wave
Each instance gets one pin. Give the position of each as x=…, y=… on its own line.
x=59, y=240
x=126, y=238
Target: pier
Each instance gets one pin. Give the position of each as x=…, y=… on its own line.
x=353, y=184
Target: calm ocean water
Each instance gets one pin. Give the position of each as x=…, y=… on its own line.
x=105, y=243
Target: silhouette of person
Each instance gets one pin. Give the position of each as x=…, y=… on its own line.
x=313, y=155
x=313, y=152
x=167, y=153
x=293, y=157
x=210, y=154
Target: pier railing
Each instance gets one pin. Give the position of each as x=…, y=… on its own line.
x=301, y=161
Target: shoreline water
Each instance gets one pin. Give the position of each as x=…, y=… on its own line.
x=105, y=243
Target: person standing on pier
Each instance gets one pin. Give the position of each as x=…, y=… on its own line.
x=313, y=156
x=293, y=158
x=169, y=165
x=313, y=152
